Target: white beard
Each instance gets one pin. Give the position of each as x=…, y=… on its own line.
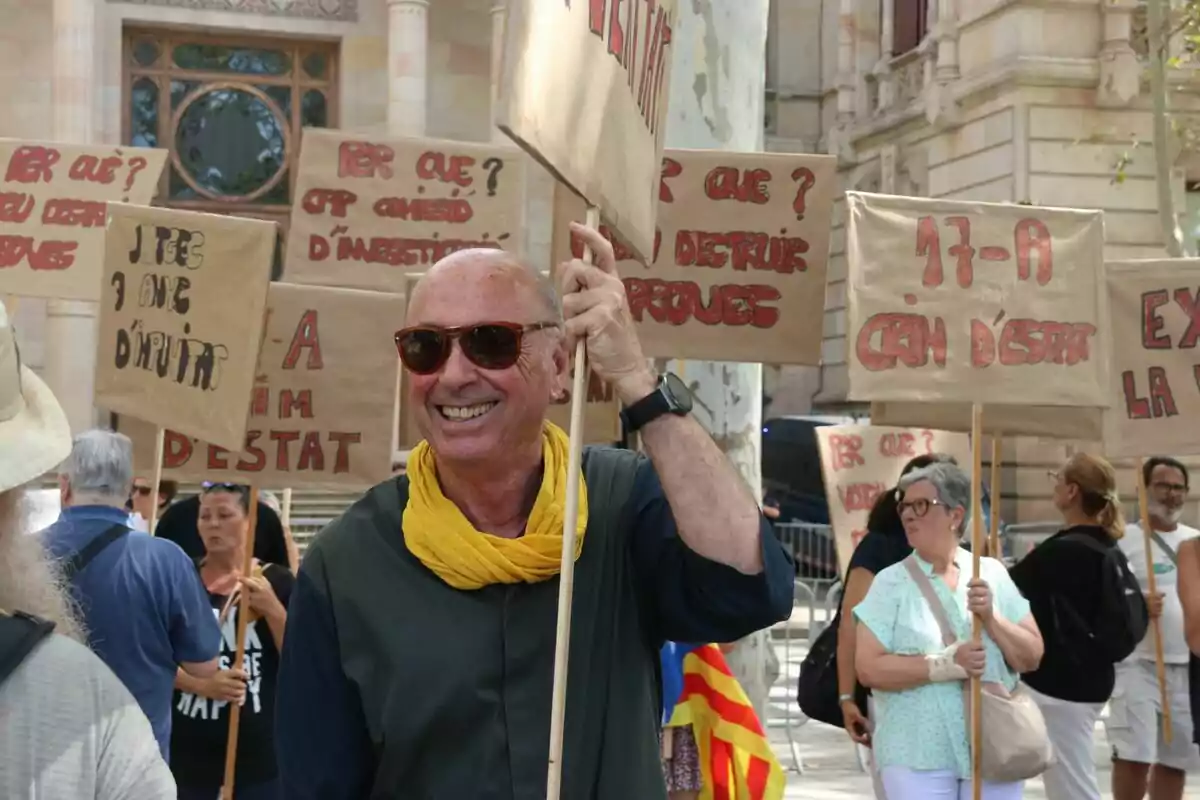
x=1160, y=511
x=29, y=579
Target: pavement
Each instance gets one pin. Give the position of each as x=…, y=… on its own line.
x=822, y=763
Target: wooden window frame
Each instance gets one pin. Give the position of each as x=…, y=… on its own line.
x=910, y=24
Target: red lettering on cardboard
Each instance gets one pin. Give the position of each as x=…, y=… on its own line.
x=439, y=209
x=260, y=401
x=730, y=183
x=679, y=302
x=845, y=451
x=1191, y=307
x=742, y=250
x=1026, y=342
x=16, y=206
x=291, y=401
x=1032, y=237
x=401, y=251
x=49, y=255
x=364, y=160
x=435, y=166
x=807, y=180
x=80, y=213
x=311, y=456
x=670, y=169
x=31, y=164
x=1152, y=323
x=95, y=170
x=907, y=339
x=897, y=445
x=305, y=337
x=616, y=34
x=1160, y=403
x=596, y=17
x=336, y=201
x=860, y=496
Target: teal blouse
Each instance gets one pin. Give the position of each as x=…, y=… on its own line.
x=925, y=728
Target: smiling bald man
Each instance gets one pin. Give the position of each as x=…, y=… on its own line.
x=418, y=656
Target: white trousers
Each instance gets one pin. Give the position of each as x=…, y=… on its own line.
x=902, y=783
x=1072, y=729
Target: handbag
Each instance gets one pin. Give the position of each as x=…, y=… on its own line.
x=1016, y=744
x=817, y=687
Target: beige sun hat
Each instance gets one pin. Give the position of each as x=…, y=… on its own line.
x=34, y=434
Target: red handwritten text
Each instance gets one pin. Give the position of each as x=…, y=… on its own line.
x=846, y=451
x=892, y=337
x=678, y=302
x=1031, y=241
x=1160, y=403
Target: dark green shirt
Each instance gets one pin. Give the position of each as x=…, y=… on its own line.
x=395, y=685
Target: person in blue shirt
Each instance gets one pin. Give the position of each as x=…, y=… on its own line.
x=145, y=611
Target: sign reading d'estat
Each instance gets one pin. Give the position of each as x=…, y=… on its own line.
x=738, y=267
x=975, y=302
x=860, y=462
x=181, y=318
x=584, y=90
x=322, y=405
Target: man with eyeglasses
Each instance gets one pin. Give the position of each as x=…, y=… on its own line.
x=419, y=651
x=1141, y=758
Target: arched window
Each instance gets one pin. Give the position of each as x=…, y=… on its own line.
x=230, y=111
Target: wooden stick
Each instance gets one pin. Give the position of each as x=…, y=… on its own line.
x=158, y=459
x=994, y=535
x=235, y=710
x=566, y=585
x=1152, y=588
x=285, y=508
x=977, y=621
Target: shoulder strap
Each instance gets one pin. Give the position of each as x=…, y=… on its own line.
x=1166, y=548
x=935, y=605
x=19, y=634
x=76, y=563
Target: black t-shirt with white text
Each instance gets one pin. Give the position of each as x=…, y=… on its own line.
x=200, y=725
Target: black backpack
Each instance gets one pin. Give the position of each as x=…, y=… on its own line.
x=1120, y=620
x=20, y=633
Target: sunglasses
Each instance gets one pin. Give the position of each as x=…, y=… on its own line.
x=424, y=349
x=236, y=488
x=142, y=491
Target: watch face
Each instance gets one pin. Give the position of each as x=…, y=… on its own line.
x=677, y=392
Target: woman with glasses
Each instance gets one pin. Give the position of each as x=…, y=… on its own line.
x=920, y=741
x=1066, y=579
x=200, y=727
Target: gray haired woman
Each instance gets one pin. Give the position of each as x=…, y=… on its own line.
x=920, y=740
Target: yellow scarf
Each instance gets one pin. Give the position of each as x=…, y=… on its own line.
x=444, y=540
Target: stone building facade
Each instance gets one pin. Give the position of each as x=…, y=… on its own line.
x=1040, y=101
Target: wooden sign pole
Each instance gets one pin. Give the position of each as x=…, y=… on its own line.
x=1152, y=587
x=566, y=586
x=157, y=481
x=235, y=709
x=977, y=621
x=994, y=534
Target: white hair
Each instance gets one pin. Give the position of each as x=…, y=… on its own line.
x=29, y=580
x=950, y=482
x=100, y=467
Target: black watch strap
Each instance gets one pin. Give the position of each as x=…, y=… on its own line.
x=669, y=397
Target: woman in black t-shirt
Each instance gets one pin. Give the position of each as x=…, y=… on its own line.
x=200, y=719
x=1062, y=578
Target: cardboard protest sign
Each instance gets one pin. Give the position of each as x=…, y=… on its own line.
x=323, y=400
x=52, y=212
x=860, y=462
x=584, y=90
x=181, y=318
x=1155, y=310
x=971, y=302
x=1050, y=422
x=370, y=209
x=740, y=250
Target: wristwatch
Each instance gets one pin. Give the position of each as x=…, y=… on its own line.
x=671, y=397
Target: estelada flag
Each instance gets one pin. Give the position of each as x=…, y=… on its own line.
x=736, y=760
